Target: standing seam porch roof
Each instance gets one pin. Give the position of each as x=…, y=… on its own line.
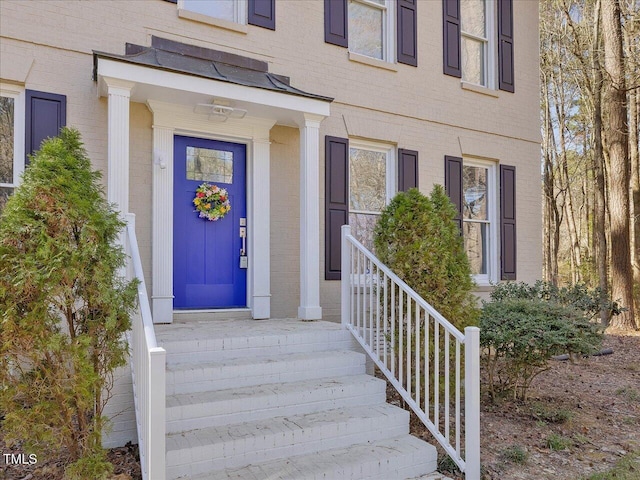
x=202, y=62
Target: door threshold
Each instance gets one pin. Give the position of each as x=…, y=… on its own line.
x=212, y=314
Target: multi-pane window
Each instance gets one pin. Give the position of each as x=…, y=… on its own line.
x=370, y=187
x=9, y=168
x=231, y=10
x=475, y=16
x=369, y=28
x=478, y=198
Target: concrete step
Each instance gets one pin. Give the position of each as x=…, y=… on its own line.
x=397, y=458
x=223, y=407
x=222, y=340
x=243, y=372
x=233, y=446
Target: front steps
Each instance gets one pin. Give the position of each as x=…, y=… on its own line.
x=280, y=399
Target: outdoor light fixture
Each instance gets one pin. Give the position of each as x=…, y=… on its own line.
x=218, y=112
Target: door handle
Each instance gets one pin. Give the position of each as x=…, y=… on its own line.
x=243, y=236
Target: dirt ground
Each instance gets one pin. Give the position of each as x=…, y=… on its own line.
x=588, y=411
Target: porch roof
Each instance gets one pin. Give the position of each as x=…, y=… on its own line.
x=168, y=55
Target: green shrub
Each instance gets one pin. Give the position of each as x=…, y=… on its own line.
x=63, y=307
x=514, y=454
x=418, y=239
x=523, y=326
x=558, y=442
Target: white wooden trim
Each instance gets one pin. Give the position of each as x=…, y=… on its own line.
x=254, y=133
x=119, y=94
x=162, y=244
x=178, y=82
x=309, y=308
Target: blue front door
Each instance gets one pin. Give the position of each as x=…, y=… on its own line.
x=207, y=270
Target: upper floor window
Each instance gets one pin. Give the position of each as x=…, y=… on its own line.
x=230, y=10
x=370, y=28
x=476, y=47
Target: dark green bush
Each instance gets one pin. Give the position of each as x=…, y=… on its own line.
x=419, y=240
x=523, y=326
x=63, y=307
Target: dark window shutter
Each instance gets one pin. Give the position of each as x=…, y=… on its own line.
x=505, y=46
x=451, y=37
x=407, y=169
x=507, y=222
x=407, y=32
x=262, y=13
x=453, y=184
x=46, y=114
x=336, y=155
x=336, y=22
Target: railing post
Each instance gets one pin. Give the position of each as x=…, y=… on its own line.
x=157, y=420
x=472, y=402
x=345, y=276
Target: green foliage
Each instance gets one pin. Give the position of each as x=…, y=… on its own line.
x=95, y=467
x=419, y=240
x=515, y=454
x=63, y=307
x=523, y=326
x=629, y=393
x=550, y=414
x=558, y=442
x=627, y=468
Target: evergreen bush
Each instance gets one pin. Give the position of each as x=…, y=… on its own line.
x=418, y=239
x=523, y=326
x=63, y=307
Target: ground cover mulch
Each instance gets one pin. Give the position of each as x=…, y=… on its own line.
x=581, y=418
x=124, y=459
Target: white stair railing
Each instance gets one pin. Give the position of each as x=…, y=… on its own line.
x=148, y=370
x=417, y=349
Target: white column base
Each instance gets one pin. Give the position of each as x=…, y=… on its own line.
x=310, y=313
x=261, y=307
x=162, y=308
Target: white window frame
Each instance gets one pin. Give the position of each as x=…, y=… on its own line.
x=240, y=11
x=18, y=94
x=489, y=43
x=491, y=277
x=388, y=29
x=391, y=170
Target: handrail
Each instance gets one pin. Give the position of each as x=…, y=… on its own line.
x=148, y=370
x=411, y=343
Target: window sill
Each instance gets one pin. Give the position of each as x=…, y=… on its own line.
x=479, y=89
x=374, y=62
x=216, y=22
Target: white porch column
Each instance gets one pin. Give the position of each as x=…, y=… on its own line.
x=162, y=225
x=259, y=230
x=309, y=308
x=119, y=93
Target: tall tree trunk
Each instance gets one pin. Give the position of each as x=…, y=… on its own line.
x=600, y=224
x=621, y=271
x=551, y=215
x=635, y=187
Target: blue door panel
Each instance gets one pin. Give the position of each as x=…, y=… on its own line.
x=206, y=255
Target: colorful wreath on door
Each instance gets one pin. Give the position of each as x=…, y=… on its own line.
x=212, y=202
